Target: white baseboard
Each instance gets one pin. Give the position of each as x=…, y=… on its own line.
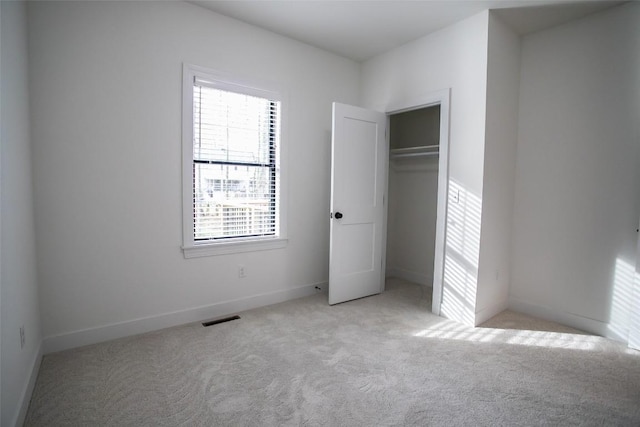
x=25, y=398
x=573, y=320
x=153, y=323
x=411, y=276
x=490, y=311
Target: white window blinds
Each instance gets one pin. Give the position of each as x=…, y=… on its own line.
x=235, y=163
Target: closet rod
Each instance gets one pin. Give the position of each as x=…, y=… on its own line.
x=399, y=156
x=427, y=150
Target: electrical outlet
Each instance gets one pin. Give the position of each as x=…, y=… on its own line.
x=22, y=337
x=241, y=272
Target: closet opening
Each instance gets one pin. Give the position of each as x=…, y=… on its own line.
x=417, y=183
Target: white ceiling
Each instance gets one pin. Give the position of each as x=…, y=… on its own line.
x=362, y=29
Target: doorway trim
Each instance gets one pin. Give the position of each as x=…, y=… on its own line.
x=442, y=98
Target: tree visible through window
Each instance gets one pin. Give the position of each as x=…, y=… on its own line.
x=235, y=165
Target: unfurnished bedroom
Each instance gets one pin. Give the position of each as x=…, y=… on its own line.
x=319, y=213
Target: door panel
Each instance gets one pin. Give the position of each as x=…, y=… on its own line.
x=356, y=243
x=358, y=173
x=358, y=151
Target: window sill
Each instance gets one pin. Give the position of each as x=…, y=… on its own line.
x=223, y=248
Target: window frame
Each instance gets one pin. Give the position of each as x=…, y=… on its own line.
x=198, y=248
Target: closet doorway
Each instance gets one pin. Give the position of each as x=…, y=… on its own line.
x=417, y=193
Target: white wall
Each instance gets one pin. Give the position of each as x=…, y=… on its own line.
x=18, y=278
x=456, y=58
x=577, y=201
x=503, y=75
x=106, y=104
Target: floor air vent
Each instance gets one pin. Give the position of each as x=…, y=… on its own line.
x=224, y=319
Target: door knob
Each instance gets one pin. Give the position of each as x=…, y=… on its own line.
x=337, y=215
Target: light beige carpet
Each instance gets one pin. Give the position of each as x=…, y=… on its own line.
x=382, y=360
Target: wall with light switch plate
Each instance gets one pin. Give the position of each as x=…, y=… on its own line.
x=577, y=202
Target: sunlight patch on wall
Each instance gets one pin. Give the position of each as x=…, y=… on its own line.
x=463, y=223
x=459, y=291
x=461, y=254
x=634, y=321
x=623, y=282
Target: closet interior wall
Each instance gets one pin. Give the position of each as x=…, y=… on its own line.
x=413, y=194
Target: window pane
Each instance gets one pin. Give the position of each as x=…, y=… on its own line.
x=232, y=201
x=233, y=127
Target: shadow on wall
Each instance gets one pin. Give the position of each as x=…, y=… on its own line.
x=461, y=254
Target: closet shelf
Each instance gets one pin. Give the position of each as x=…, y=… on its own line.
x=426, y=150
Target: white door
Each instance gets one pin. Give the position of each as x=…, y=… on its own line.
x=634, y=328
x=358, y=183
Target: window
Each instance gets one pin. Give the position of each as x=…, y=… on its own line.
x=231, y=166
